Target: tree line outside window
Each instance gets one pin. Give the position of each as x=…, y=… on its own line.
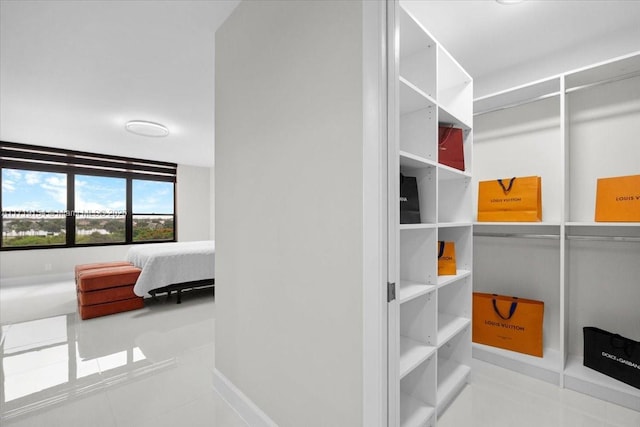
x=61, y=198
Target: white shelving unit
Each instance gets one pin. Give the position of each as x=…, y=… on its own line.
x=570, y=130
x=430, y=319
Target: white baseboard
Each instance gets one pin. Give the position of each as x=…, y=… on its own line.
x=246, y=409
x=35, y=280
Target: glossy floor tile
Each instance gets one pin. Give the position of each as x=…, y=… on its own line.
x=497, y=397
x=153, y=367
x=148, y=367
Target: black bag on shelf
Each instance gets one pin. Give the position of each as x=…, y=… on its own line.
x=409, y=203
x=612, y=355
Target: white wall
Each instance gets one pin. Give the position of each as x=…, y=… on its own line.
x=289, y=209
x=212, y=205
x=194, y=197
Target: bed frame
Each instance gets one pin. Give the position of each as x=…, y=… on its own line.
x=179, y=287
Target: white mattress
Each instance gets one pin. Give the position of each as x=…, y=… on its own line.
x=165, y=264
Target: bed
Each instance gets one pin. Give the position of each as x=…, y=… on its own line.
x=168, y=267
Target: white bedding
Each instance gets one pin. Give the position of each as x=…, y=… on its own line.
x=166, y=264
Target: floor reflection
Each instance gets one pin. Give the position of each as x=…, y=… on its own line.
x=49, y=362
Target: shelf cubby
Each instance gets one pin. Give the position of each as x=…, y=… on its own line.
x=418, y=54
x=603, y=139
x=417, y=339
x=455, y=88
x=454, y=197
x=418, y=395
x=454, y=367
x=418, y=255
x=525, y=140
x=427, y=182
x=463, y=239
x=454, y=308
x=418, y=121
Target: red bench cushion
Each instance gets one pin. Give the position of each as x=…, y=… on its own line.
x=97, y=310
x=84, y=267
x=106, y=295
x=109, y=277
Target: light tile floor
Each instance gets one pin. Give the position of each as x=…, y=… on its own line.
x=149, y=367
x=497, y=397
x=153, y=367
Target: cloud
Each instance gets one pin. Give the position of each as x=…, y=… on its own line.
x=93, y=206
x=32, y=178
x=100, y=194
x=56, y=187
x=12, y=173
x=8, y=185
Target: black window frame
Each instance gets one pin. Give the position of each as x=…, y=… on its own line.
x=27, y=157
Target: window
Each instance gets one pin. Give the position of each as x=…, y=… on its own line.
x=100, y=206
x=33, y=208
x=61, y=198
x=152, y=210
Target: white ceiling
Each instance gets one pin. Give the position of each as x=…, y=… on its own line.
x=503, y=46
x=72, y=73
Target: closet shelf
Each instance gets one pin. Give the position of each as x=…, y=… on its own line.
x=451, y=376
x=412, y=98
x=447, y=172
x=449, y=326
x=586, y=380
x=453, y=224
x=518, y=235
x=410, y=290
x=517, y=224
x=417, y=226
x=603, y=224
x=412, y=161
x=412, y=354
x=445, y=117
x=447, y=280
x=414, y=413
x=546, y=368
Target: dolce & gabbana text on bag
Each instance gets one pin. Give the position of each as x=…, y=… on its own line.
x=509, y=200
x=612, y=355
x=618, y=199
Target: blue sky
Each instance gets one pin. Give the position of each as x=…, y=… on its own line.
x=152, y=197
x=28, y=190
x=46, y=191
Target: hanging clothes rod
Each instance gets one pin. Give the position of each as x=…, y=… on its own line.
x=519, y=235
x=557, y=237
x=569, y=90
x=518, y=103
x=605, y=81
x=604, y=238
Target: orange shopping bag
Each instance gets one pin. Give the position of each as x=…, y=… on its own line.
x=515, y=199
x=618, y=199
x=446, y=259
x=508, y=322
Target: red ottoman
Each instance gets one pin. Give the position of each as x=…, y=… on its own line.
x=93, y=266
x=107, y=290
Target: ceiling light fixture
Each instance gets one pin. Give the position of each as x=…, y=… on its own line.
x=145, y=128
x=508, y=2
